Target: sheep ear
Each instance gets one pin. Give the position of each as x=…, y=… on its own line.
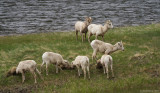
x=119, y=43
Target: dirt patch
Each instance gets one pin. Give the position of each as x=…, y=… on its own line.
x=137, y=56
x=18, y=89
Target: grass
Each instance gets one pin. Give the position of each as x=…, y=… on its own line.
x=136, y=69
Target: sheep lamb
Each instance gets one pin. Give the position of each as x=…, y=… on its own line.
x=23, y=66
x=105, y=61
x=105, y=48
x=53, y=58
x=82, y=27
x=83, y=63
x=99, y=30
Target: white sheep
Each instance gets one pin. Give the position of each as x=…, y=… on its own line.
x=99, y=30
x=83, y=63
x=105, y=61
x=82, y=27
x=23, y=66
x=53, y=58
x=105, y=48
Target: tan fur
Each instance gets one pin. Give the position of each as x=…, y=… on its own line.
x=105, y=48
x=53, y=58
x=99, y=30
x=83, y=63
x=82, y=27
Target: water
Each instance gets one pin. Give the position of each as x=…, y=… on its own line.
x=34, y=16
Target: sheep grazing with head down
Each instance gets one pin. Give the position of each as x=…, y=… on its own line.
x=23, y=66
x=53, y=58
x=83, y=63
x=99, y=30
x=105, y=61
x=82, y=27
x=105, y=48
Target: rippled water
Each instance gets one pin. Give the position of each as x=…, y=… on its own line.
x=32, y=16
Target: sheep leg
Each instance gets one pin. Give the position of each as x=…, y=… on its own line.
x=85, y=36
x=23, y=77
x=107, y=51
x=34, y=74
x=78, y=70
x=84, y=70
x=88, y=72
x=46, y=68
x=96, y=37
x=82, y=36
x=41, y=66
x=94, y=55
x=112, y=71
x=76, y=34
x=57, y=67
x=89, y=35
x=107, y=70
x=104, y=69
x=39, y=74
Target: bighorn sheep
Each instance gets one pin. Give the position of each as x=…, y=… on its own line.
x=83, y=63
x=82, y=27
x=105, y=48
x=23, y=66
x=105, y=61
x=53, y=58
x=99, y=30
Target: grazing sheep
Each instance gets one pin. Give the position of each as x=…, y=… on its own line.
x=105, y=48
x=53, y=58
x=82, y=27
x=81, y=62
x=99, y=30
x=23, y=66
x=105, y=61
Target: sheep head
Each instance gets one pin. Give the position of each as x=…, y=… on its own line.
x=66, y=65
x=11, y=72
x=99, y=65
x=120, y=46
x=88, y=20
x=72, y=65
x=109, y=24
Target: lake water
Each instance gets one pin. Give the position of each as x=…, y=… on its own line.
x=34, y=16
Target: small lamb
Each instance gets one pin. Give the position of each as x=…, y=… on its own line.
x=23, y=66
x=105, y=61
x=83, y=63
x=99, y=30
x=53, y=58
x=105, y=48
x=82, y=27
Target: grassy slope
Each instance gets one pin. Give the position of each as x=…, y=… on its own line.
x=135, y=69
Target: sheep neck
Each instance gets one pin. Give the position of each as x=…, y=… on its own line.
x=86, y=23
x=115, y=48
x=105, y=28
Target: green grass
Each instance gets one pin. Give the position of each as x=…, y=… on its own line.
x=136, y=69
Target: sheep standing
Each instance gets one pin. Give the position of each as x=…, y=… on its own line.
x=52, y=58
x=23, y=66
x=99, y=30
x=83, y=63
x=105, y=48
x=82, y=27
x=105, y=61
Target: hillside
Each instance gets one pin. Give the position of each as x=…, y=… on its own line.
x=136, y=69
